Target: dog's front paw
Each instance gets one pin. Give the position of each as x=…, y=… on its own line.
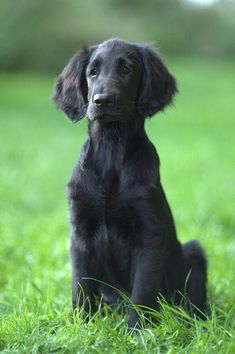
x=133, y=322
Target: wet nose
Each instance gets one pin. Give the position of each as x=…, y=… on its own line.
x=103, y=100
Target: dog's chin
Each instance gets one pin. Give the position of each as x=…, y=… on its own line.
x=104, y=118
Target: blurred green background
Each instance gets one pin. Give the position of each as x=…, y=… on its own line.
x=38, y=148
x=42, y=35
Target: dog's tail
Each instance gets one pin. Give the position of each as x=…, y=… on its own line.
x=196, y=276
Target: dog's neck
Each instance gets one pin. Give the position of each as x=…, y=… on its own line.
x=115, y=132
x=111, y=143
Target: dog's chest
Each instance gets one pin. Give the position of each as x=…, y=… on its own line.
x=106, y=192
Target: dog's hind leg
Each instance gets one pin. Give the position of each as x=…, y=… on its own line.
x=196, y=276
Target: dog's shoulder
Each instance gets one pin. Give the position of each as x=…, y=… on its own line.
x=79, y=166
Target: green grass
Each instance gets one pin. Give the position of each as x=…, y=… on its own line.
x=38, y=149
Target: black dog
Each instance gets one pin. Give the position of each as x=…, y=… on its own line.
x=123, y=231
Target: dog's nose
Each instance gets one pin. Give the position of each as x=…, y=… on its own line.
x=103, y=100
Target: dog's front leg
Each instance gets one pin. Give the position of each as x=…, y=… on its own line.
x=84, y=271
x=86, y=228
x=148, y=279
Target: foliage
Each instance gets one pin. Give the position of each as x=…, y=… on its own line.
x=39, y=148
x=42, y=34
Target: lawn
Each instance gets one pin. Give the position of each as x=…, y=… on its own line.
x=38, y=149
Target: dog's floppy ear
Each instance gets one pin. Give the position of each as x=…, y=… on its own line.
x=70, y=91
x=157, y=87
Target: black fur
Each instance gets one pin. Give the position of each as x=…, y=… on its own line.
x=123, y=231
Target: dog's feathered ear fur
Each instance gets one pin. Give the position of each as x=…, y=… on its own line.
x=158, y=86
x=70, y=91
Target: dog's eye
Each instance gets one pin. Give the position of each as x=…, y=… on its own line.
x=94, y=72
x=125, y=70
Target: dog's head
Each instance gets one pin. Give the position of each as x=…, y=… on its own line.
x=114, y=81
